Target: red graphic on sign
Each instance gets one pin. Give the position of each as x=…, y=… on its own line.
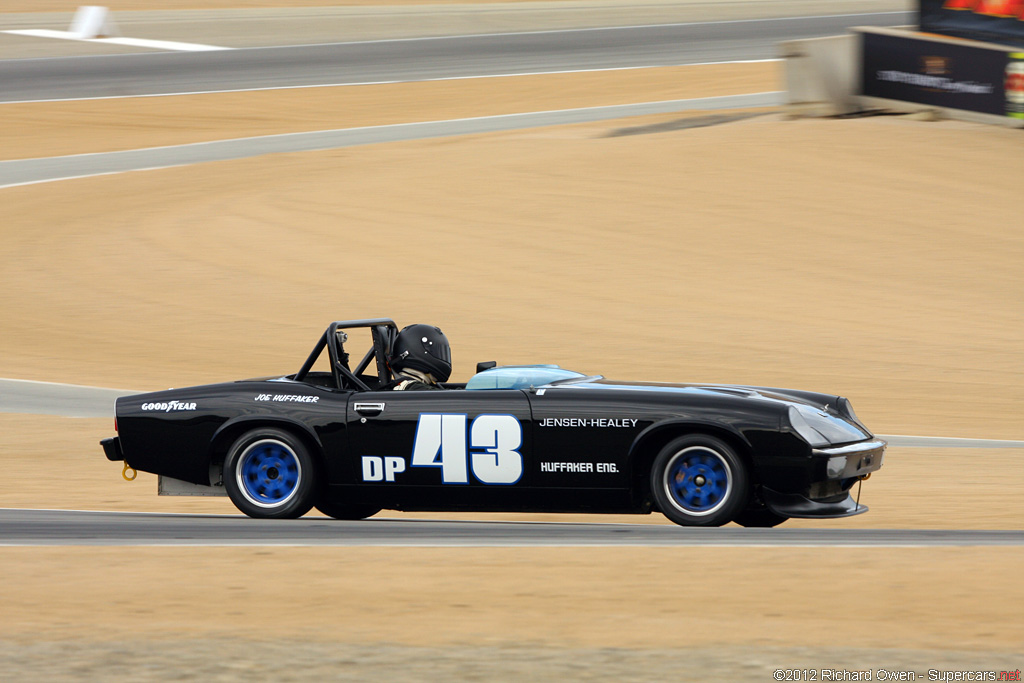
x=990, y=8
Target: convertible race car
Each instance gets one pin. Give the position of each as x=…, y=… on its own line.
x=512, y=439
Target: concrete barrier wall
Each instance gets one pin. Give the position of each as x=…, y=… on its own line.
x=822, y=75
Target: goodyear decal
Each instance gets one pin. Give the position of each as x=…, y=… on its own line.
x=168, y=406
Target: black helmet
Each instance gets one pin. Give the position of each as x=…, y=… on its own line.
x=423, y=348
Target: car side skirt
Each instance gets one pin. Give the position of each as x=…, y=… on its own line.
x=169, y=486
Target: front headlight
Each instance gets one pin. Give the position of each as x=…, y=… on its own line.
x=818, y=428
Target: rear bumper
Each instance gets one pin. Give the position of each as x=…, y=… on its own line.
x=112, y=449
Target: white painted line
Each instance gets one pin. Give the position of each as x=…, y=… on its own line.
x=133, y=42
x=45, y=33
x=162, y=44
x=62, y=384
x=393, y=82
x=90, y=175
x=904, y=441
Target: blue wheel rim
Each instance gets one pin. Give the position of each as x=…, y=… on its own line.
x=698, y=480
x=268, y=473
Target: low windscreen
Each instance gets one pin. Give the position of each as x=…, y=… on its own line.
x=519, y=377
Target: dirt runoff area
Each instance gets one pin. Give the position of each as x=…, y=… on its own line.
x=506, y=614
x=876, y=258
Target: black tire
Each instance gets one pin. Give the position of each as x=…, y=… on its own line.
x=699, y=480
x=270, y=474
x=759, y=517
x=332, y=509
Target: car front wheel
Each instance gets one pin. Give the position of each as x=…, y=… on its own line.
x=270, y=474
x=699, y=480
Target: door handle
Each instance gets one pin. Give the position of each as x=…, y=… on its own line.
x=369, y=409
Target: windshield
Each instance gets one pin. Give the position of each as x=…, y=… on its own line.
x=520, y=377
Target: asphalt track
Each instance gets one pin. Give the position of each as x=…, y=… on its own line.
x=49, y=398
x=79, y=528
x=415, y=59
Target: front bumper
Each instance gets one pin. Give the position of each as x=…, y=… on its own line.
x=112, y=449
x=843, y=467
x=853, y=461
x=795, y=505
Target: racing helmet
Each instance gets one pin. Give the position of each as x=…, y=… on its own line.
x=423, y=348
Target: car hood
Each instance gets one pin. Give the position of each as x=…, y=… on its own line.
x=832, y=414
x=818, y=400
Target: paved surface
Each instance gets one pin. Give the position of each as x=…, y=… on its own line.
x=238, y=28
x=27, y=171
x=47, y=398
x=60, y=527
x=411, y=60
x=899, y=441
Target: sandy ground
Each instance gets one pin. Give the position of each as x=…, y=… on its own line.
x=842, y=256
x=876, y=258
x=544, y=595
x=508, y=614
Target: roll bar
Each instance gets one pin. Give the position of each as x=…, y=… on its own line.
x=383, y=332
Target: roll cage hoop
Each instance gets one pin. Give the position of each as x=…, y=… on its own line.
x=382, y=330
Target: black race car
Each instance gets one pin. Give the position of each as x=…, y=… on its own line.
x=513, y=439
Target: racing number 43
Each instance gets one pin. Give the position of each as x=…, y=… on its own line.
x=492, y=452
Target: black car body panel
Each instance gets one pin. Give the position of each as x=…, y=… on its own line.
x=572, y=444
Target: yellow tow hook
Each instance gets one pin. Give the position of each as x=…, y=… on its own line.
x=865, y=477
x=126, y=470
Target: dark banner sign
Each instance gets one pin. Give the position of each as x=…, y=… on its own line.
x=943, y=74
x=992, y=21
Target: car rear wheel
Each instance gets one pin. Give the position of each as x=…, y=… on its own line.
x=270, y=474
x=332, y=509
x=699, y=480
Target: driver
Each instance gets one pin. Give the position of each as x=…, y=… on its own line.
x=421, y=358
